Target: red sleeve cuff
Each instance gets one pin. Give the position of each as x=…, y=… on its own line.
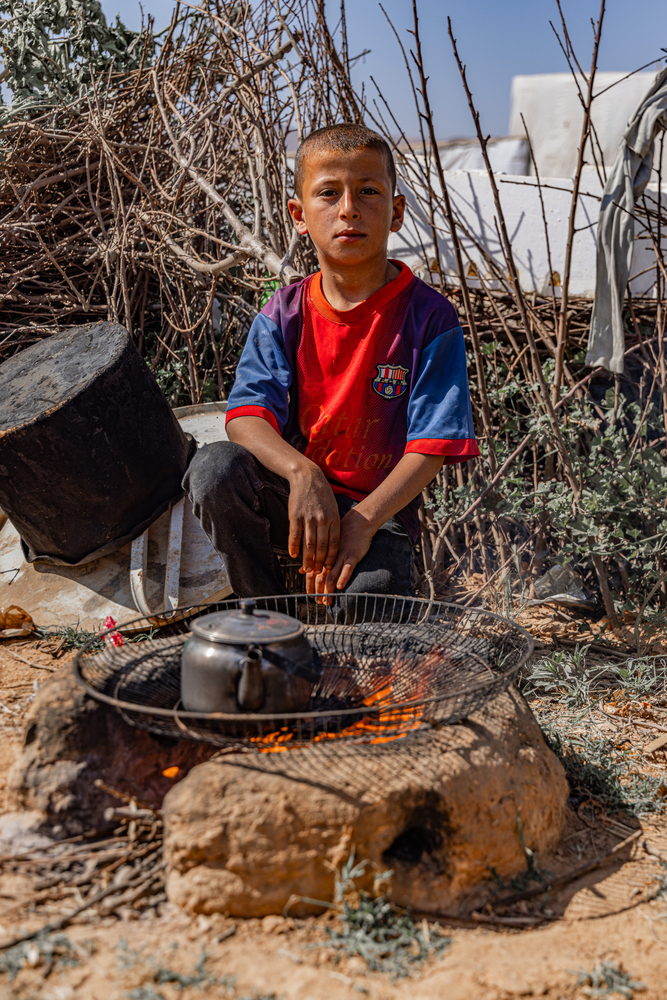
x=253, y=411
x=453, y=451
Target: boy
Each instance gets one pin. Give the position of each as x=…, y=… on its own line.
x=350, y=394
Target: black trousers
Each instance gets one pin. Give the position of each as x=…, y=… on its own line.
x=243, y=508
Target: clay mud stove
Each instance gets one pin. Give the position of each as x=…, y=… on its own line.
x=414, y=752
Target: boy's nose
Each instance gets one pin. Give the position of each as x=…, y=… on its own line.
x=348, y=208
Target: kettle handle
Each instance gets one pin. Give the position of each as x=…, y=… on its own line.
x=250, y=693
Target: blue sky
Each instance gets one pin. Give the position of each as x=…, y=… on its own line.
x=497, y=39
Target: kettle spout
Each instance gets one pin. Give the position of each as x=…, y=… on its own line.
x=250, y=694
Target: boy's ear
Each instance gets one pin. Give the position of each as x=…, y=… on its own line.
x=398, y=213
x=296, y=211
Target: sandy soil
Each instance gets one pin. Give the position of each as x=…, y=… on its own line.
x=607, y=916
x=18, y=684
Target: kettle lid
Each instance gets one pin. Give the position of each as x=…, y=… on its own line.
x=247, y=624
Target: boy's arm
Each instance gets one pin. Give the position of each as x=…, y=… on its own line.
x=257, y=412
x=403, y=484
x=313, y=512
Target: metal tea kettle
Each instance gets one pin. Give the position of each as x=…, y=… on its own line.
x=248, y=660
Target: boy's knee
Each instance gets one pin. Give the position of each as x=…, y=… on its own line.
x=386, y=568
x=380, y=581
x=213, y=467
x=377, y=581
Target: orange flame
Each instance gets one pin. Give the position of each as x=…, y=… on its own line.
x=171, y=772
x=387, y=718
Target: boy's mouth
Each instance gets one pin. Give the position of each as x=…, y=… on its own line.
x=349, y=236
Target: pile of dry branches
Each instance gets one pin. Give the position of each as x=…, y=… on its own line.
x=543, y=417
x=160, y=200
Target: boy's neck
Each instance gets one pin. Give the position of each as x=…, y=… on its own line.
x=346, y=286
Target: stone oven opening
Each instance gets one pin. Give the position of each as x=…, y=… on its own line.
x=426, y=830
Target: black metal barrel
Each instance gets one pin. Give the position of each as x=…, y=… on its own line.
x=90, y=451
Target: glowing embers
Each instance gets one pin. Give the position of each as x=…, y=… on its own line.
x=391, y=717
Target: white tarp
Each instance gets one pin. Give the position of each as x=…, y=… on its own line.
x=554, y=115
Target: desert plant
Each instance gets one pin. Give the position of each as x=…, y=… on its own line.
x=55, y=51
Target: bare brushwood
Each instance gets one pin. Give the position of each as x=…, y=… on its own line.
x=514, y=277
x=56, y=925
x=587, y=102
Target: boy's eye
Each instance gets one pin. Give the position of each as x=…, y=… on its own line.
x=369, y=190
x=328, y=193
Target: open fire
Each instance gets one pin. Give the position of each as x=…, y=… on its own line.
x=397, y=720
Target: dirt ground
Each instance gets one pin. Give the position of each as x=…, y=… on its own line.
x=614, y=915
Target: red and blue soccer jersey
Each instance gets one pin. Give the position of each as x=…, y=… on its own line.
x=355, y=390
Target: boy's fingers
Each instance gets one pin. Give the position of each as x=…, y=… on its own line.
x=322, y=547
x=309, y=543
x=346, y=573
x=294, y=540
x=315, y=586
x=334, y=542
x=333, y=574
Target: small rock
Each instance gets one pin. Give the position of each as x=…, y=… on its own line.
x=122, y=874
x=204, y=923
x=273, y=924
x=32, y=956
x=356, y=966
x=20, y=831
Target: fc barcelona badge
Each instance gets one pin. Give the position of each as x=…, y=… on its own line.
x=390, y=381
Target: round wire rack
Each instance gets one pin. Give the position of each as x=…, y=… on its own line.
x=390, y=666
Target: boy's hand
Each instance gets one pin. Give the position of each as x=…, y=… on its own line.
x=356, y=535
x=404, y=482
x=313, y=521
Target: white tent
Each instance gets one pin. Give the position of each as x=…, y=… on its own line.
x=552, y=110
x=507, y=154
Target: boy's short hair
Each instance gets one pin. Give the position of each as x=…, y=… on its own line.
x=343, y=138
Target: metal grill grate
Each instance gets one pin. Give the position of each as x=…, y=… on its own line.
x=289, y=567
x=397, y=665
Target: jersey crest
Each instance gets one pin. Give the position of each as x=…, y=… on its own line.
x=390, y=381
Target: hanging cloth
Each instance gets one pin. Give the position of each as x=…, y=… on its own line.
x=616, y=227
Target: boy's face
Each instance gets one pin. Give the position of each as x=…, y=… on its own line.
x=347, y=205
